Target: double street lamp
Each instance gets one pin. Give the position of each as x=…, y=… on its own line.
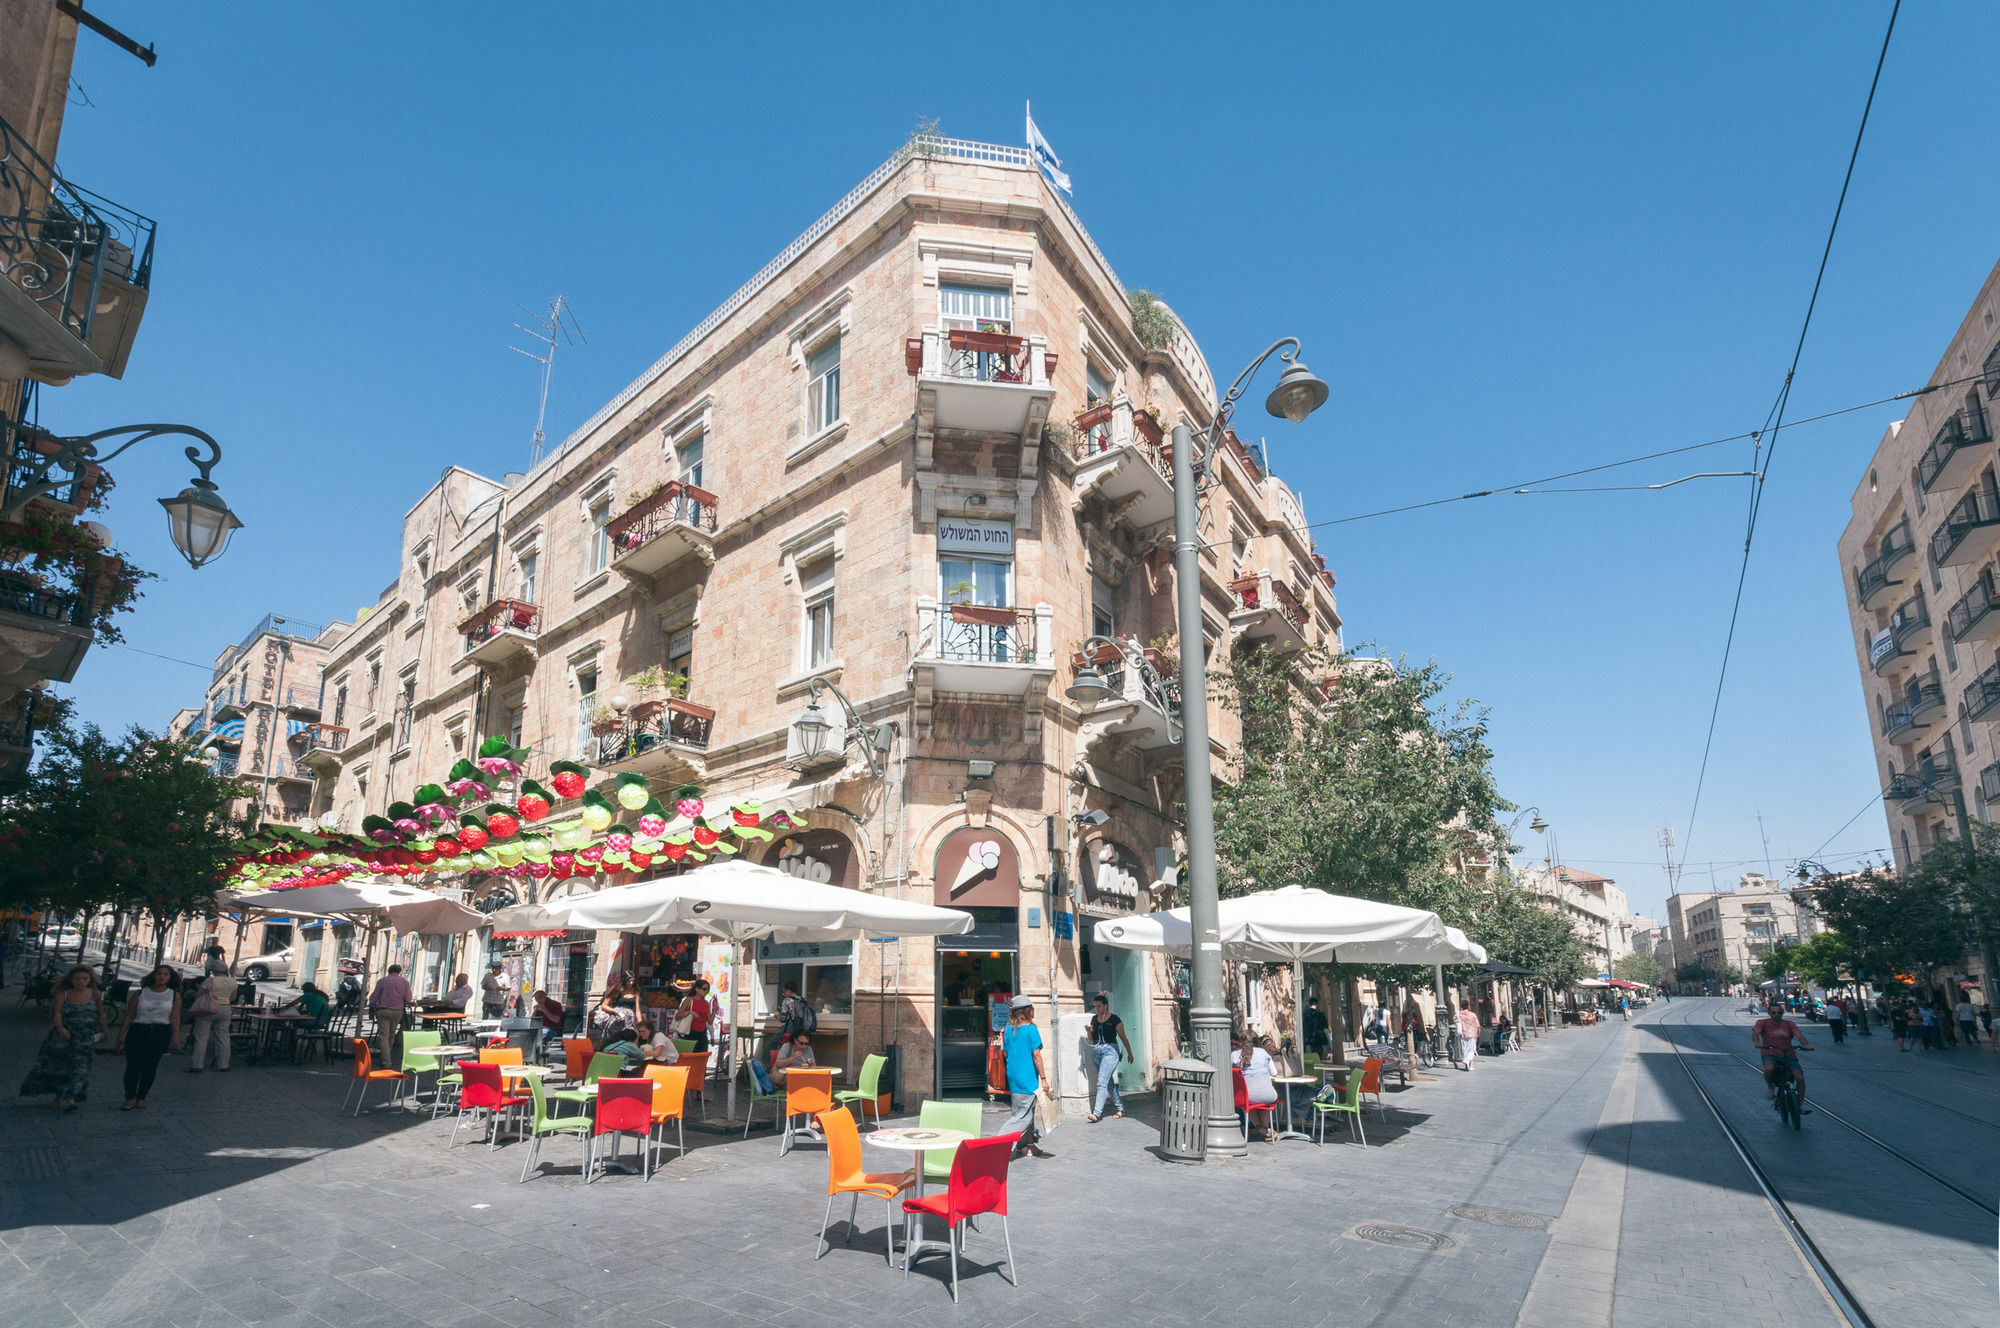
x=1298, y=394
x=197, y=518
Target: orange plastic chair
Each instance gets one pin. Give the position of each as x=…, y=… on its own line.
x=808, y=1092
x=500, y=1056
x=364, y=1076
x=1371, y=1080
x=978, y=1185
x=669, y=1104
x=624, y=1106
x=845, y=1176
x=697, y=1068
x=576, y=1058
x=484, y=1090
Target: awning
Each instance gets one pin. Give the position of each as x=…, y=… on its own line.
x=294, y=727
x=230, y=728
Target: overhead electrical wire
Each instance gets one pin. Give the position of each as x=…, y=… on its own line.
x=1776, y=421
x=1843, y=828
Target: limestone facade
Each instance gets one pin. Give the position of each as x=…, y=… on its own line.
x=884, y=423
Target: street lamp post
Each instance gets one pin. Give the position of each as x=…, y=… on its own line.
x=197, y=518
x=1298, y=394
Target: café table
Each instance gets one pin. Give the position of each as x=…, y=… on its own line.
x=918, y=1141
x=1285, y=1083
x=264, y=1023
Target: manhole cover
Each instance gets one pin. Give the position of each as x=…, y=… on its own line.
x=1402, y=1237
x=428, y=1171
x=21, y=1164
x=1499, y=1217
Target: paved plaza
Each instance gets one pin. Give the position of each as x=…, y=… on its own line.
x=1580, y=1181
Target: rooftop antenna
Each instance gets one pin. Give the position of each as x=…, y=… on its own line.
x=1667, y=843
x=557, y=327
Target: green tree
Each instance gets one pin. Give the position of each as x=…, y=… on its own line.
x=1822, y=958
x=1639, y=967
x=1908, y=922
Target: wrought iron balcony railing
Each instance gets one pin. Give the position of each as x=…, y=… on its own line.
x=1910, y=620
x=674, y=722
x=1914, y=708
x=1972, y=607
x=983, y=634
x=984, y=357
x=1982, y=694
x=674, y=503
x=1966, y=428
x=68, y=607
x=1096, y=441
x=502, y=615
x=321, y=738
x=1249, y=595
x=58, y=242
x=224, y=765
x=1976, y=511
x=1874, y=577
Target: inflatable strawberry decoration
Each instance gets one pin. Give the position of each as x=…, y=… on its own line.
x=568, y=779
x=633, y=791
x=653, y=819
x=501, y=823
x=533, y=804
x=687, y=801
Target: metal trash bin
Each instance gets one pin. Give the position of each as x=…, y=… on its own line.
x=1184, y=1088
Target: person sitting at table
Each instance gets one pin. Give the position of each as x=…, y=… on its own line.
x=311, y=1001
x=460, y=994
x=656, y=1045
x=1258, y=1070
x=550, y=1011
x=627, y=1045
x=796, y=1054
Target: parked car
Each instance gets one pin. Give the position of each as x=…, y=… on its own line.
x=61, y=938
x=275, y=966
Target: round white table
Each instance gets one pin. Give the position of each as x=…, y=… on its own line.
x=1285, y=1082
x=523, y=1071
x=919, y=1141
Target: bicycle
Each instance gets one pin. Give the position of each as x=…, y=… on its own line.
x=1786, y=1099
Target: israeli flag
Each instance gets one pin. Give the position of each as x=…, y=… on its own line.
x=1045, y=156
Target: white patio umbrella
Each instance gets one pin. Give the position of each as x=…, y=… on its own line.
x=1298, y=924
x=738, y=901
x=373, y=901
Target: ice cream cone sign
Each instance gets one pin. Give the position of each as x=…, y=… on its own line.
x=982, y=859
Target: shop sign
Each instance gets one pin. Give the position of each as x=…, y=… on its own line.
x=825, y=856
x=956, y=535
x=1114, y=879
x=977, y=867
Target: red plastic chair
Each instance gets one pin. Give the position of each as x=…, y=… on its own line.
x=624, y=1106
x=978, y=1185
x=484, y=1091
x=1249, y=1108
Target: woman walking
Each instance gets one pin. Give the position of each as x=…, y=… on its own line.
x=1468, y=1037
x=63, y=1066
x=1899, y=1024
x=152, y=1025
x=699, y=1012
x=1107, y=1030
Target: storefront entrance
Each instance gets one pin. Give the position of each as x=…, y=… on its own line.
x=974, y=989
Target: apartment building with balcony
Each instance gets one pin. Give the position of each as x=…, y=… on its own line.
x=75, y=272
x=1737, y=928
x=921, y=456
x=1595, y=906
x=1919, y=558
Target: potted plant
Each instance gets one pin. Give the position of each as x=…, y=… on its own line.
x=604, y=720
x=1093, y=415
x=1104, y=652
x=1147, y=423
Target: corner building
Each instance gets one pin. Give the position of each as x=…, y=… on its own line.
x=918, y=456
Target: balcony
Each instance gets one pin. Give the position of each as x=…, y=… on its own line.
x=1953, y=453
x=320, y=746
x=671, y=525
x=303, y=697
x=224, y=765
x=1930, y=779
x=71, y=496
x=44, y=630
x=1910, y=627
x=77, y=268
x=983, y=653
x=1982, y=695
x=1265, y=609
x=1142, y=710
x=1882, y=652
x=1916, y=711
x=1873, y=581
x=660, y=739
x=1976, y=615
x=501, y=634
x=1989, y=783
x=983, y=383
x=1121, y=459
x=1970, y=530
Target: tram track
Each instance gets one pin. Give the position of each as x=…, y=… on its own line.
x=1763, y=1171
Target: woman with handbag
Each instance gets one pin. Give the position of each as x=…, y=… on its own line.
x=695, y=1015
x=63, y=1065
x=618, y=1012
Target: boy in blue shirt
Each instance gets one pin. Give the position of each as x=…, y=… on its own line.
x=1021, y=1047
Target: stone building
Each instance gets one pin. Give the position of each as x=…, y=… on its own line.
x=1737, y=928
x=75, y=273
x=1594, y=904
x=917, y=458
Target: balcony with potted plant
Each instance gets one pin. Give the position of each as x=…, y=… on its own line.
x=1265, y=609
x=1129, y=696
x=987, y=381
x=983, y=652
x=320, y=745
x=501, y=634
x=652, y=728
x=1123, y=460
x=664, y=527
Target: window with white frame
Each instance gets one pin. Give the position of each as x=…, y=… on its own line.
x=816, y=631
x=600, y=538
x=823, y=386
x=527, y=564
x=516, y=715
x=688, y=453
x=982, y=308
x=1097, y=389
x=586, y=702
x=422, y=563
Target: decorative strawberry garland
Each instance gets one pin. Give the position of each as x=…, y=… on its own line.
x=486, y=820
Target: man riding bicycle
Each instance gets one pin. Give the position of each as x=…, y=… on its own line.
x=1776, y=1037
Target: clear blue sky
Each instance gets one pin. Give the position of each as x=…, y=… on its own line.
x=1513, y=244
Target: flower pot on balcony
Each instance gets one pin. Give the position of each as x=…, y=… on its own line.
x=692, y=709
x=1147, y=425
x=642, y=711
x=984, y=615
x=1091, y=416
x=522, y=619
x=604, y=728
x=986, y=343
x=1097, y=658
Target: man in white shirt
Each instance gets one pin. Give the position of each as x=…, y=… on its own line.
x=211, y=1020
x=494, y=988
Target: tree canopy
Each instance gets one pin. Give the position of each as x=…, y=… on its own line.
x=1639, y=967
x=1911, y=922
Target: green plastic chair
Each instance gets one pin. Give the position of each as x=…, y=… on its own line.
x=416, y=1061
x=962, y=1116
x=868, y=1089
x=1312, y=1062
x=777, y=1094
x=602, y=1063
x=683, y=1044
x=1348, y=1105
x=544, y=1124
